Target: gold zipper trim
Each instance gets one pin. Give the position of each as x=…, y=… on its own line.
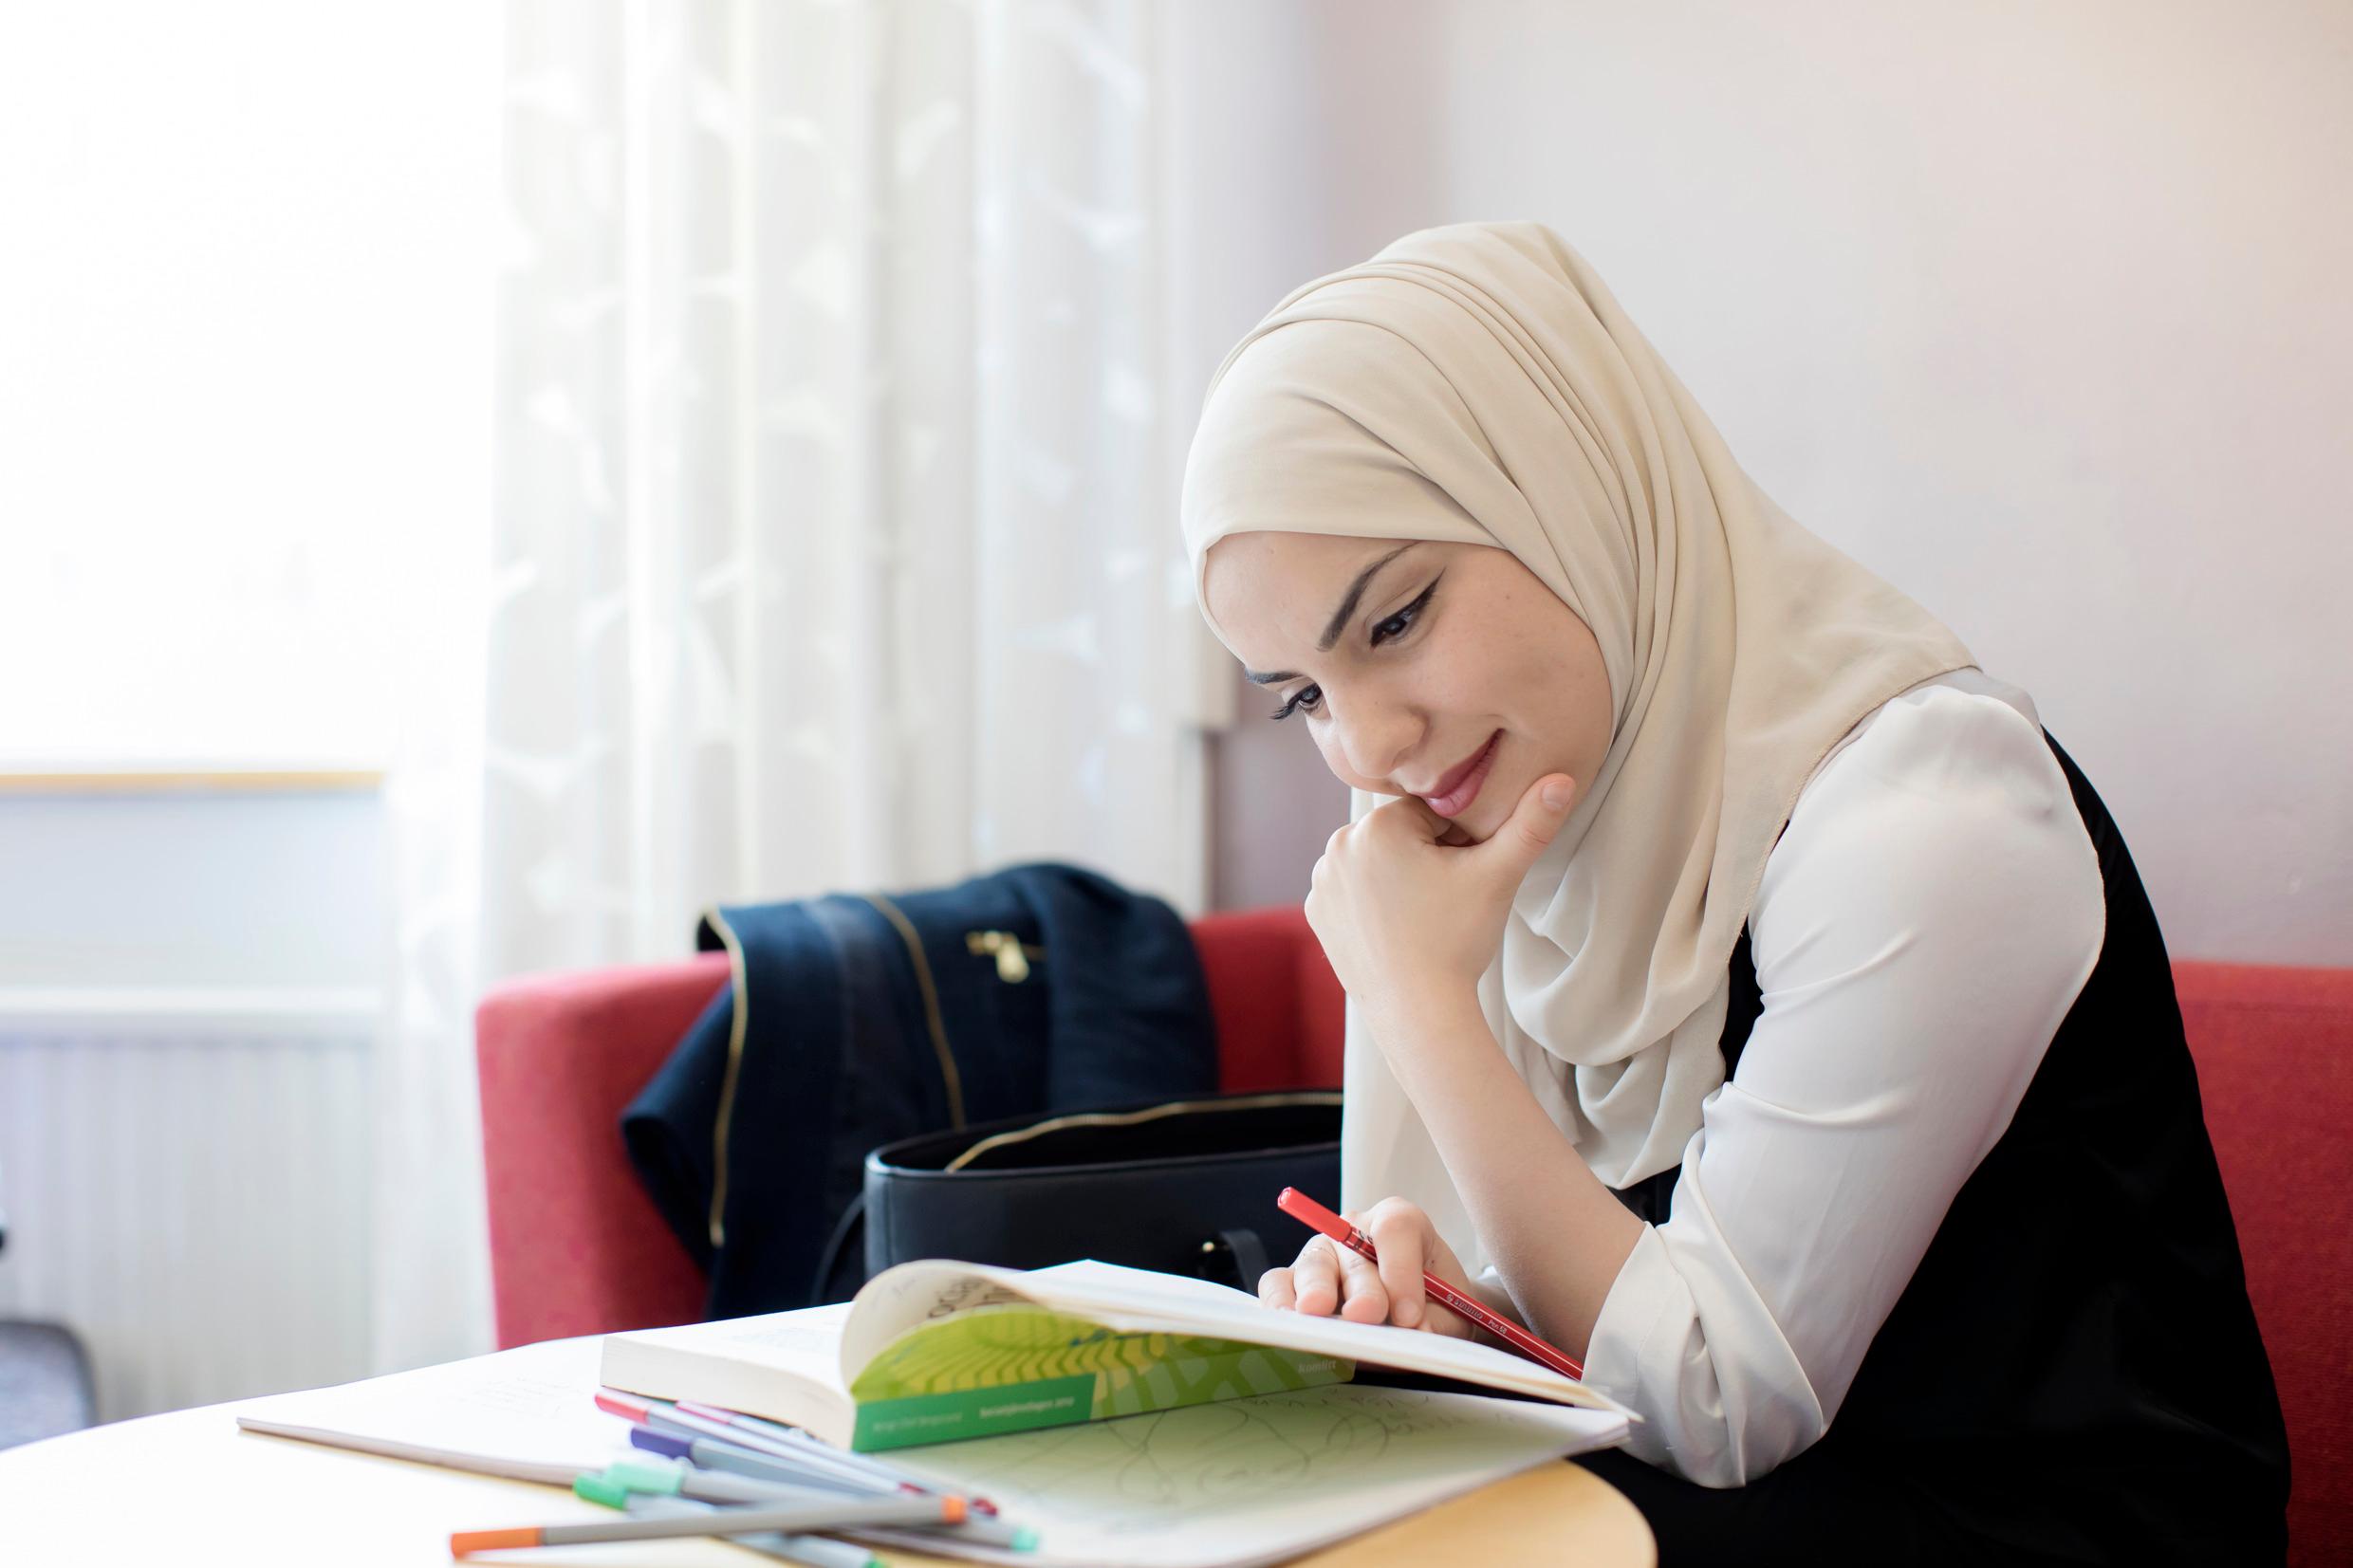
x=1129, y=1118
x=1011, y=954
x=727, y=1083
x=931, y=1006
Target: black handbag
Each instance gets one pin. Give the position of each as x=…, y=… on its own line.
x=1185, y=1187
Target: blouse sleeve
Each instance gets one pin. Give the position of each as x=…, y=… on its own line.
x=1927, y=919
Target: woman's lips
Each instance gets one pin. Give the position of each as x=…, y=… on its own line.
x=1461, y=786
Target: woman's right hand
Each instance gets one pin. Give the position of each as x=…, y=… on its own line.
x=1328, y=1279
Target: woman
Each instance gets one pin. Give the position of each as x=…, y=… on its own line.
x=1745, y=993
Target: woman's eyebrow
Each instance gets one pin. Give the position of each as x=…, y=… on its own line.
x=1340, y=618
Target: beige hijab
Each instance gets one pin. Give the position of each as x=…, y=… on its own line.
x=1478, y=383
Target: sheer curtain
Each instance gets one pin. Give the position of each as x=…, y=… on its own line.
x=833, y=544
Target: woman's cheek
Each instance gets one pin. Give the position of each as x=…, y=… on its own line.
x=1336, y=763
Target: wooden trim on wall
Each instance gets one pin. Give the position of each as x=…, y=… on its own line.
x=231, y=781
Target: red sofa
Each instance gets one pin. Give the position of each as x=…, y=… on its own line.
x=577, y=1248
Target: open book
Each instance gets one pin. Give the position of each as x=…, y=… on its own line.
x=933, y=1352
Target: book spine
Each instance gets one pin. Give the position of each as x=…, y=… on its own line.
x=1229, y=1370
x=973, y=1413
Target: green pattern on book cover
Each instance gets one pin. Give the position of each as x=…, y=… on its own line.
x=918, y=1390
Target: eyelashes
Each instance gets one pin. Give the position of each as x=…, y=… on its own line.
x=1298, y=699
x=1388, y=630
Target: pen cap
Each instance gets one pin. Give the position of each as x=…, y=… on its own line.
x=596, y=1488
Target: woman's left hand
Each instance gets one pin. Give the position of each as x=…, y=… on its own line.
x=1410, y=913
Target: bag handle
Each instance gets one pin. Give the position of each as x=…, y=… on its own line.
x=851, y=1224
x=1235, y=1258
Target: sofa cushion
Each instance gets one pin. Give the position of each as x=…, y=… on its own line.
x=2274, y=1050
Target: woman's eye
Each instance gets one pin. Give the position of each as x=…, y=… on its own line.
x=1306, y=698
x=1396, y=625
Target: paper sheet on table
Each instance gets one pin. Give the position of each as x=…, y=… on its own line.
x=533, y=1405
x=1236, y=1483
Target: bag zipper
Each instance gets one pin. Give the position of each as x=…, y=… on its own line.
x=948, y=1074
x=1129, y=1118
x=725, y=1117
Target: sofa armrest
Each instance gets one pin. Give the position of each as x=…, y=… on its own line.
x=576, y=1246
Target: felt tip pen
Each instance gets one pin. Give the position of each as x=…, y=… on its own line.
x=664, y=1416
x=846, y=1513
x=758, y=1470
x=798, y=1449
x=812, y=1551
x=793, y=1440
x=1316, y=1217
x=706, y=1485
x=714, y=1455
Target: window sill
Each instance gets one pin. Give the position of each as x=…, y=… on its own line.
x=191, y=780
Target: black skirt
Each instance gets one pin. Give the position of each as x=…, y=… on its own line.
x=2073, y=1373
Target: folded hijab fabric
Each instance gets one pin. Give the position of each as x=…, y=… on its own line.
x=1478, y=383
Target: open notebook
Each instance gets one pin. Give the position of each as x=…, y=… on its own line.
x=937, y=1352
x=1239, y=1482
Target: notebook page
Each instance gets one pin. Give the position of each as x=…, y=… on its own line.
x=1247, y=1481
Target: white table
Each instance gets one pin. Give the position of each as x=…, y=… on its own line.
x=189, y=1487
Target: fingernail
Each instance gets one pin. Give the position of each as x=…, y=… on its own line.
x=1556, y=793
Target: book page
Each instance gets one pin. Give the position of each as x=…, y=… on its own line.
x=902, y=1299
x=1249, y=1481
x=1140, y=1299
x=806, y=1343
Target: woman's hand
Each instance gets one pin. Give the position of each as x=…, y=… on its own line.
x=1409, y=911
x=1328, y=1278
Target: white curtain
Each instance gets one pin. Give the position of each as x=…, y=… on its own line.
x=834, y=540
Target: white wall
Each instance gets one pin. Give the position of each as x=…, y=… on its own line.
x=192, y=889
x=2038, y=311
x=1297, y=144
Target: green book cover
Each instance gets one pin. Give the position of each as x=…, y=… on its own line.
x=1014, y=1367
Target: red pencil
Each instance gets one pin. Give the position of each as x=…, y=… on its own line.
x=1307, y=1212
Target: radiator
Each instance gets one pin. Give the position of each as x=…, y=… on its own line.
x=185, y=1178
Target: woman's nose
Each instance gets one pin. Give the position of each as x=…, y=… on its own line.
x=1376, y=736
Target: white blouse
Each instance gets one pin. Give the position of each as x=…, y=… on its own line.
x=1925, y=922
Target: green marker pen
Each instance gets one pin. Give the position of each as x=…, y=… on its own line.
x=815, y=1551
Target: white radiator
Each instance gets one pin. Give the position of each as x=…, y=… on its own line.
x=185, y=1178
